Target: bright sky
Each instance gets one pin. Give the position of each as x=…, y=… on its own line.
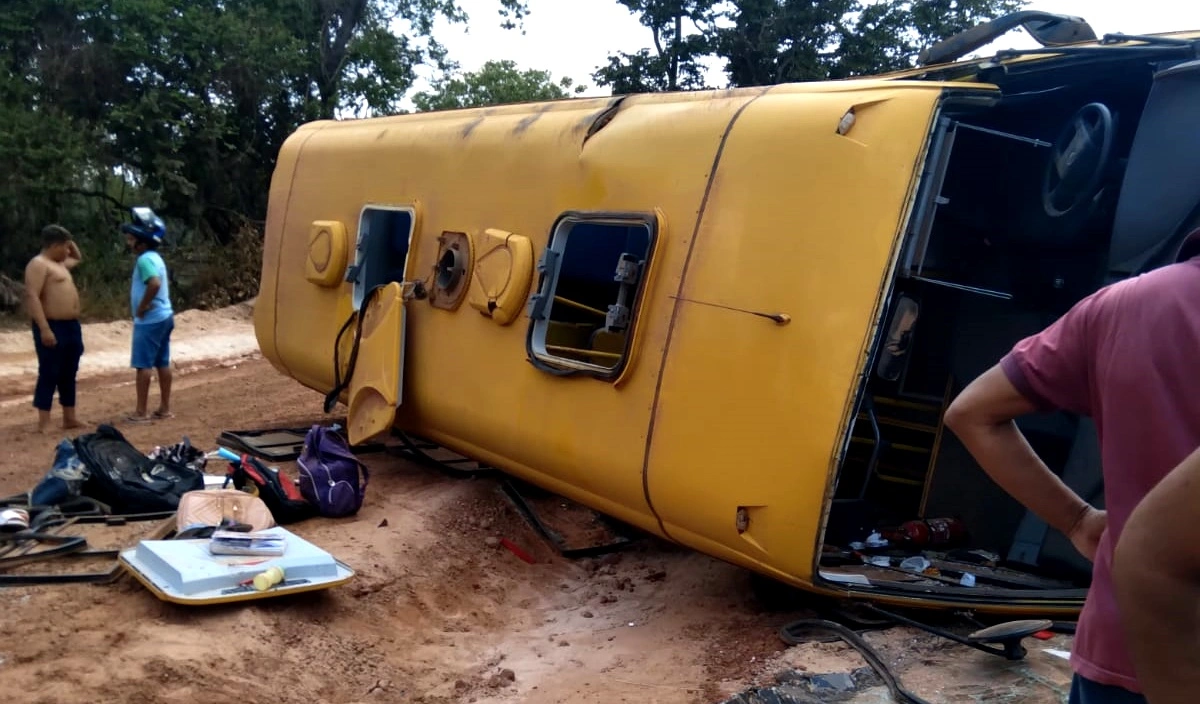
x=573, y=37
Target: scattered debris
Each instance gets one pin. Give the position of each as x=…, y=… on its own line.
x=503, y=678
x=426, y=582
x=380, y=686
x=573, y=529
x=516, y=550
x=839, y=681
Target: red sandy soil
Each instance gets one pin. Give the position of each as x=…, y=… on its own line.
x=438, y=611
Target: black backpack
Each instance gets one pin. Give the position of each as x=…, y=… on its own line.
x=127, y=480
x=276, y=490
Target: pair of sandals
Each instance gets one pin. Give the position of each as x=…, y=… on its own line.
x=157, y=415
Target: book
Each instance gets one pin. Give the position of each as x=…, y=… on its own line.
x=226, y=542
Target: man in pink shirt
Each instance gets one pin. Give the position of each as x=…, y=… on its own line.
x=1126, y=356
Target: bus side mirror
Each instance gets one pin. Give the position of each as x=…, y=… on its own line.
x=898, y=341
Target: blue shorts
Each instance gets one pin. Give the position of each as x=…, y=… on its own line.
x=152, y=344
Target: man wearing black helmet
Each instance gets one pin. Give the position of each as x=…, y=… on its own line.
x=153, y=316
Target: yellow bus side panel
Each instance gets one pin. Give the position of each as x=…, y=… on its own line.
x=278, y=200
x=468, y=384
x=801, y=221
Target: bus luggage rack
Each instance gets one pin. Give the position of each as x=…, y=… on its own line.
x=524, y=498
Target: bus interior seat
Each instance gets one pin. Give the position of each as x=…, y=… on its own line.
x=560, y=334
x=985, y=330
x=1160, y=192
x=586, y=278
x=608, y=341
x=1033, y=542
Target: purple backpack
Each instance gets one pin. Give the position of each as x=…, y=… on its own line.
x=329, y=473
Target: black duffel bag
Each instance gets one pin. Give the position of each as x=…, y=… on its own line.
x=127, y=480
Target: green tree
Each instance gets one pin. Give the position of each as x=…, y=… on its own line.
x=184, y=104
x=682, y=32
x=495, y=83
x=763, y=42
x=192, y=99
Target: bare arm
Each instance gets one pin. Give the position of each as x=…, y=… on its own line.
x=35, y=281
x=982, y=417
x=1156, y=574
x=74, y=256
x=153, y=284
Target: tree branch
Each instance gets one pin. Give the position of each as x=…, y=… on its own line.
x=88, y=194
x=657, y=41
x=241, y=216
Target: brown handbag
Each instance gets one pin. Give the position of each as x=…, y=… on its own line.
x=211, y=506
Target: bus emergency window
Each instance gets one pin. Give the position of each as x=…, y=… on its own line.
x=384, y=236
x=591, y=279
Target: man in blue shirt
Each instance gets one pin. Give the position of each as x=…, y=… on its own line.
x=153, y=316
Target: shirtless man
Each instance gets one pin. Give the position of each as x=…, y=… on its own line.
x=53, y=305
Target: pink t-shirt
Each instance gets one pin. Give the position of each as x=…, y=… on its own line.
x=1128, y=356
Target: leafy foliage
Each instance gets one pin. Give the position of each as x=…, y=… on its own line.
x=495, y=83
x=183, y=105
x=763, y=42
x=684, y=31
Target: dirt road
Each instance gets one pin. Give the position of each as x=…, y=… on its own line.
x=438, y=612
x=202, y=339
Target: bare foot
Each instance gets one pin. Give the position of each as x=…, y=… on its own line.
x=69, y=420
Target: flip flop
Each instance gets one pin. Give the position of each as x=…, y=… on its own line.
x=14, y=519
x=161, y=415
x=138, y=419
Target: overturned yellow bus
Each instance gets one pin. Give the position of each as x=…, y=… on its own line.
x=734, y=318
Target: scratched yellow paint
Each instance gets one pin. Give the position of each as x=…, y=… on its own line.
x=811, y=236
x=719, y=408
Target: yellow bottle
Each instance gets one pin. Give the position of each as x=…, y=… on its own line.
x=269, y=578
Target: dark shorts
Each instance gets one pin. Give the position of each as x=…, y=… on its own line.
x=152, y=345
x=58, y=365
x=1085, y=691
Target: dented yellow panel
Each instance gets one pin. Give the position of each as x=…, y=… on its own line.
x=775, y=235
x=812, y=243
x=468, y=384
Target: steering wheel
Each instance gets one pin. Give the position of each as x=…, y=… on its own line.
x=1079, y=158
